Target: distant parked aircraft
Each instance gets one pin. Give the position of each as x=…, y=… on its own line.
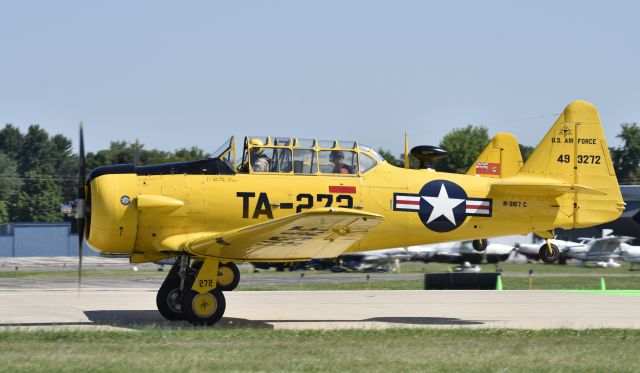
x=371, y=261
x=602, y=251
x=630, y=254
x=460, y=252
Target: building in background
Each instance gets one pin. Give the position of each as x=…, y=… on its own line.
x=39, y=239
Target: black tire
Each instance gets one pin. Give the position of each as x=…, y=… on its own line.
x=548, y=257
x=225, y=281
x=213, y=306
x=169, y=300
x=479, y=245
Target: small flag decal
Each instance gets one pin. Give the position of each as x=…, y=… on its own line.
x=487, y=168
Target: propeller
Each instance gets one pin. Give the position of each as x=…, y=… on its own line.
x=79, y=210
x=80, y=204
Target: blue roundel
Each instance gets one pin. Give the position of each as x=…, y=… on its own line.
x=442, y=205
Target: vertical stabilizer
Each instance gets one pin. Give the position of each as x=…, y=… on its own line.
x=575, y=152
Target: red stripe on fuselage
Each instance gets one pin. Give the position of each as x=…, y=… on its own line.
x=341, y=189
x=407, y=202
x=478, y=207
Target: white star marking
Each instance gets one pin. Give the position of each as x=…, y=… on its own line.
x=443, y=206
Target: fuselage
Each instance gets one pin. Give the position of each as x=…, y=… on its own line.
x=141, y=209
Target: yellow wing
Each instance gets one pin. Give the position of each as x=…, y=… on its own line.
x=320, y=233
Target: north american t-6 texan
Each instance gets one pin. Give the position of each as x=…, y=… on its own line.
x=289, y=199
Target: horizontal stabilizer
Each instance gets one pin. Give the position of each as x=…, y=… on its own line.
x=542, y=187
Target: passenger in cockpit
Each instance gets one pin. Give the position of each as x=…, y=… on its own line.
x=337, y=158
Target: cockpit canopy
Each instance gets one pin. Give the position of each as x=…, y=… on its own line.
x=285, y=155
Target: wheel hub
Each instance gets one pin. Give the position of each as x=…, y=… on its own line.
x=225, y=276
x=204, y=305
x=174, y=300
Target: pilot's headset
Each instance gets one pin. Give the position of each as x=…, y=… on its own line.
x=256, y=146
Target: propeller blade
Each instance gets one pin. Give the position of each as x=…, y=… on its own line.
x=80, y=214
x=82, y=169
x=80, y=223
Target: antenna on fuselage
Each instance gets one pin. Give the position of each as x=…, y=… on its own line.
x=406, y=150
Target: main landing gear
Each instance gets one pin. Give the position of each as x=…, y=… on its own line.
x=549, y=252
x=192, y=291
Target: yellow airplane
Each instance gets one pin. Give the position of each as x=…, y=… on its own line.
x=287, y=200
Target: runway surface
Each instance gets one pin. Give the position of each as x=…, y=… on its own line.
x=132, y=308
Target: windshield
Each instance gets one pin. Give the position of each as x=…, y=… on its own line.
x=222, y=148
x=226, y=152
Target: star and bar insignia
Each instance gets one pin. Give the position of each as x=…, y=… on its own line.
x=442, y=205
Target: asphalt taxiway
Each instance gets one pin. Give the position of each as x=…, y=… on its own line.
x=132, y=308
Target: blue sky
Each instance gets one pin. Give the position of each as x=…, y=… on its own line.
x=177, y=74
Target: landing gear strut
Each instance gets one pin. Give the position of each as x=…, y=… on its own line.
x=549, y=252
x=194, y=292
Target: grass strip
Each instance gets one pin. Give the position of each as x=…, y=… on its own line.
x=235, y=350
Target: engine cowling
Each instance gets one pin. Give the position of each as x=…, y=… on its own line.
x=112, y=216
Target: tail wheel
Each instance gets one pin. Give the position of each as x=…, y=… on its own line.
x=228, y=276
x=479, y=245
x=547, y=255
x=203, y=309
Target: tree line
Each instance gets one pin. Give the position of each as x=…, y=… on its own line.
x=38, y=171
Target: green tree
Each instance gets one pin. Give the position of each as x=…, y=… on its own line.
x=10, y=184
x=39, y=198
x=463, y=146
x=526, y=151
x=11, y=141
x=123, y=152
x=192, y=154
x=390, y=158
x=45, y=168
x=626, y=158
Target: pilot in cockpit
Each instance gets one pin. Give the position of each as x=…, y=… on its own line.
x=259, y=160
